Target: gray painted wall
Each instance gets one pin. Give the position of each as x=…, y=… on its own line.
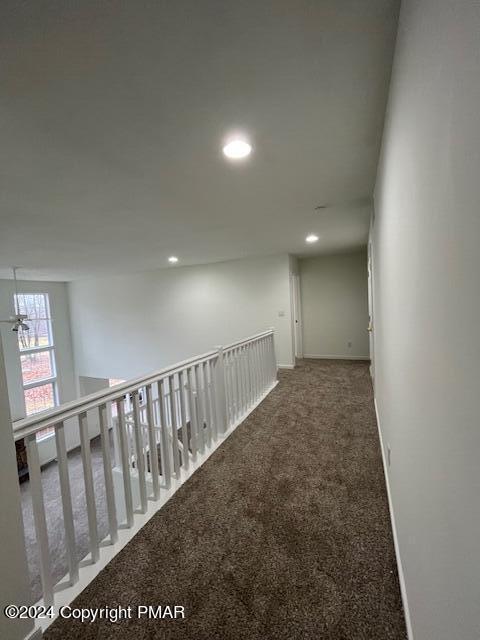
x=427, y=312
x=335, y=305
x=126, y=326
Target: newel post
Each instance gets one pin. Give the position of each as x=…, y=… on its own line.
x=13, y=560
x=220, y=395
x=273, y=357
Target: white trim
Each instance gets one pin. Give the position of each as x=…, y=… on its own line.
x=27, y=352
x=36, y=422
x=336, y=357
x=286, y=366
x=296, y=315
x=64, y=594
x=39, y=382
x=401, y=575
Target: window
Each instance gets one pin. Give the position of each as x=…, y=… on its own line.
x=37, y=355
x=114, y=381
x=111, y=383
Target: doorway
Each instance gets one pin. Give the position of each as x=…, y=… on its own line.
x=371, y=337
x=297, y=317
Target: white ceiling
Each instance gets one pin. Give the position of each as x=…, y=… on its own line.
x=113, y=115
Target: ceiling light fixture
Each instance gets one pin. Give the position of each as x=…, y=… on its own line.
x=311, y=238
x=173, y=259
x=237, y=149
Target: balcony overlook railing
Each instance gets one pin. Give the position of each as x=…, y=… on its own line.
x=163, y=427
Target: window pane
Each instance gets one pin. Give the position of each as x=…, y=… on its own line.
x=36, y=366
x=45, y=433
x=38, y=335
x=36, y=307
x=39, y=398
x=113, y=381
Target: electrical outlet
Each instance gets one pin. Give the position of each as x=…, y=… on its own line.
x=389, y=455
x=281, y=314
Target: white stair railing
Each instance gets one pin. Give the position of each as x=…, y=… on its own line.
x=164, y=426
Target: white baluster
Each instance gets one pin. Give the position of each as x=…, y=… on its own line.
x=183, y=418
x=66, y=502
x=199, y=411
x=39, y=518
x=233, y=389
x=255, y=370
x=260, y=373
x=251, y=394
x=124, y=457
x=206, y=404
x=229, y=389
x=103, y=413
x=139, y=446
x=241, y=372
x=247, y=378
x=193, y=413
x=238, y=385
x=164, y=446
x=152, y=444
x=174, y=424
x=264, y=368
x=212, y=396
x=274, y=359
x=268, y=361
x=89, y=489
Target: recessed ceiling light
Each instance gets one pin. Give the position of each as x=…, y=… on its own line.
x=311, y=238
x=237, y=149
x=173, y=259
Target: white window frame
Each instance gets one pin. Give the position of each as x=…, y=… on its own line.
x=41, y=349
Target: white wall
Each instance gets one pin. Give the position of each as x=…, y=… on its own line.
x=427, y=312
x=335, y=305
x=14, y=588
x=128, y=325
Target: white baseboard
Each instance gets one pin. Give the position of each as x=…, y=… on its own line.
x=286, y=366
x=346, y=357
x=401, y=575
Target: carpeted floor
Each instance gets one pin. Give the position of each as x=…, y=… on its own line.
x=284, y=533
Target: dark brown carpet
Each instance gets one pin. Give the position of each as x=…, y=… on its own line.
x=284, y=533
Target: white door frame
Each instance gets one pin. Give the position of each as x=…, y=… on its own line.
x=371, y=334
x=296, y=317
